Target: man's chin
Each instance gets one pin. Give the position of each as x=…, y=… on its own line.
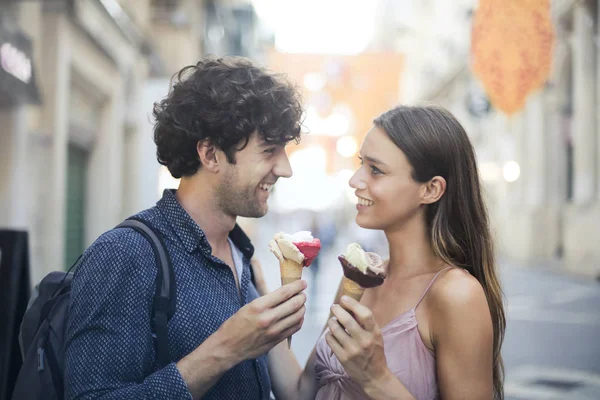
x=260, y=214
x=256, y=213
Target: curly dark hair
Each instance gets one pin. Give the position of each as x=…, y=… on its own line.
x=224, y=100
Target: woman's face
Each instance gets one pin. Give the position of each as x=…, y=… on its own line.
x=388, y=196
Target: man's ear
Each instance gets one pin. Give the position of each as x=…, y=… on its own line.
x=208, y=154
x=433, y=190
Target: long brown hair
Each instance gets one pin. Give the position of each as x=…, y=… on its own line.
x=437, y=145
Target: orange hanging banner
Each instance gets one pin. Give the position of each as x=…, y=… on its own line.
x=512, y=43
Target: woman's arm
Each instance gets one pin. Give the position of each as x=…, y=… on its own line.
x=285, y=372
x=303, y=387
x=288, y=379
x=463, y=336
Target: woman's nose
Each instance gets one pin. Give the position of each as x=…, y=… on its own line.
x=357, y=181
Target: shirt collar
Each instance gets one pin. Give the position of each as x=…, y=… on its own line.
x=188, y=231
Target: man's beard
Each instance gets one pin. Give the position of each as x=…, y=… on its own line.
x=238, y=200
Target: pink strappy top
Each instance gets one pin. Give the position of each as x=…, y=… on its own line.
x=407, y=357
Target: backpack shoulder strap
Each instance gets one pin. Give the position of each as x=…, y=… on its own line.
x=164, y=296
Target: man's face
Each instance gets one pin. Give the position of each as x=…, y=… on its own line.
x=245, y=186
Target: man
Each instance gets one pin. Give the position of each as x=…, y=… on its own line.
x=222, y=130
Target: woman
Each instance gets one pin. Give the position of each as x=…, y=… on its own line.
x=434, y=329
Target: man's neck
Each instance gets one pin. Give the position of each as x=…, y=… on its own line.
x=199, y=202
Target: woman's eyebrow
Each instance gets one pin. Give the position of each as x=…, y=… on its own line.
x=373, y=160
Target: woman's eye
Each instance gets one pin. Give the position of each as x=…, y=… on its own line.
x=375, y=170
x=270, y=150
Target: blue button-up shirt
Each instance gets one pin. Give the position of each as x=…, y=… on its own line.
x=110, y=353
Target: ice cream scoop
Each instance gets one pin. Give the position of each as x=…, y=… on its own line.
x=362, y=270
x=294, y=252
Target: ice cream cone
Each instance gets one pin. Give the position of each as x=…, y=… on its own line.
x=294, y=252
x=352, y=289
x=290, y=271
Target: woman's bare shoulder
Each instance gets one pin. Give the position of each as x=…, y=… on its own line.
x=457, y=290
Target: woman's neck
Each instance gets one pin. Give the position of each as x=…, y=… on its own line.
x=410, y=250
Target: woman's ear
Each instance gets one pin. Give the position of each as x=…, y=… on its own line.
x=433, y=190
x=207, y=152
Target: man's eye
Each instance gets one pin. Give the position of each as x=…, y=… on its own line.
x=271, y=150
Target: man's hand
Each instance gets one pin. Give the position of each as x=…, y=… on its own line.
x=251, y=332
x=260, y=325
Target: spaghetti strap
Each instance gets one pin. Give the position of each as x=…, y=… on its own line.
x=431, y=283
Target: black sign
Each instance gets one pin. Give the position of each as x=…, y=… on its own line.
x=14, y=295
x=17, y=79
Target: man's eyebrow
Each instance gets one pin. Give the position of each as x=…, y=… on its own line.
x=264, y=144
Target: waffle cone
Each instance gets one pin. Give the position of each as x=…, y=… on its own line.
x=352, y=289
x=290, y=271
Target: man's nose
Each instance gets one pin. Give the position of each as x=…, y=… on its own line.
x=357, y=180
x=283, y=167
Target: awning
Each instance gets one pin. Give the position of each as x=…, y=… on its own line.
x=17, y=79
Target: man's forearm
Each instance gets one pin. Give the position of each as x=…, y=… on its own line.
x=203, y=367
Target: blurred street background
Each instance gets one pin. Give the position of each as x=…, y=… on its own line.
x=78, y=79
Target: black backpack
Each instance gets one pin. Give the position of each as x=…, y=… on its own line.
x=44, y=323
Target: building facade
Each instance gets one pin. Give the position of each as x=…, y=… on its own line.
x=67, y=159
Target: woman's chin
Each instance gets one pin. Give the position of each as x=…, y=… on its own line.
x=365, y=223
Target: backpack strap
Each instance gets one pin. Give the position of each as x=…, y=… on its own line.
x=164, y=296
x=55, y=370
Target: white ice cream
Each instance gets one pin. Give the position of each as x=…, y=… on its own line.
x=356, y=256
x=362, y=260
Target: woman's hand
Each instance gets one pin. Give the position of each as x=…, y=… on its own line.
x=356, y=340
